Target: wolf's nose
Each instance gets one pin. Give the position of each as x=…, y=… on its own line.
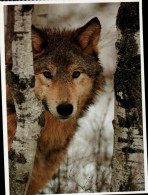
x=65, y=109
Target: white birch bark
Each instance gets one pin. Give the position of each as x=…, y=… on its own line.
x=29, y=109
x=128, y=154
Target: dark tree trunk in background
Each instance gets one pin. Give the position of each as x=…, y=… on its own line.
x=29, y=111
x=128, y=155
x=9, y=33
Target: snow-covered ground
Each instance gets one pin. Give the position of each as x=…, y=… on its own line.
x=87, y=167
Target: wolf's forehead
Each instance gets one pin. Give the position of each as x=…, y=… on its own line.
x=63, y=55
x=56, y=60
x=61, y=58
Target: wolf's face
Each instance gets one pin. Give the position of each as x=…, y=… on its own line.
x=67, y=70
x=63, y=91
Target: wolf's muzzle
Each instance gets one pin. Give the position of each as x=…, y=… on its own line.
x=65, y=110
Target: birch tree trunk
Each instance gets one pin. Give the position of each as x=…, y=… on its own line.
x=29, y=110
x=128, y=155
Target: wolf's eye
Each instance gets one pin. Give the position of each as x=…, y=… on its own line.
x=75, y=74
x=47, y=74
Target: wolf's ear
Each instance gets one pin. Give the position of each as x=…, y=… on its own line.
x=38, y=42
x=87, y=37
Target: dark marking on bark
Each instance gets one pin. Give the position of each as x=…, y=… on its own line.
x=15, y=78
x=32, y=81
x=18, y=36
x=25, y=115
x=16, y=139
x=36, y=137
x=24, y=179
x=41, y=119
x=128, y=122
x=19, y=97
x=21, y=159
x=131, y=120
x=131, y=150
x=13, y=82
x=21, y=120
x=23, y=84
x=121, y=188
x=11, y=77
x=20, y=181
x=129, y=133
x=123, y=140
x=121, y=121
x=13, y=156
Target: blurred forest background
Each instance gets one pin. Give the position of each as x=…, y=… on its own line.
x=87, y=166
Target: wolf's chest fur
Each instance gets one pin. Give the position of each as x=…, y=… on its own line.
x=59, y=133
x=68, y=77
